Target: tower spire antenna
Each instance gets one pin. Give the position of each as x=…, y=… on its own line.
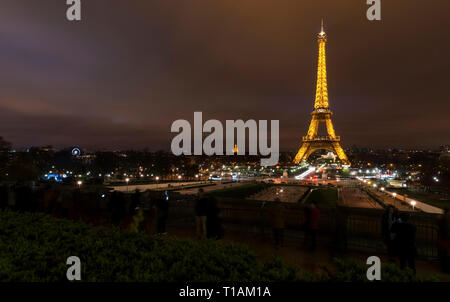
x=322, y=32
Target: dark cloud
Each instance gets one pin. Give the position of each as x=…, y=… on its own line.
x=121, y=76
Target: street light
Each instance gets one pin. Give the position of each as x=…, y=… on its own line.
x=79, y=183
x=382, y=189
x=395, y=200
x=127, y=180
x=413, y=203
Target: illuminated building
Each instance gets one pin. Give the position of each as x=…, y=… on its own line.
x=321, y=114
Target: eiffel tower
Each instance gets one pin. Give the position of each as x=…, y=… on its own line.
x=321, y=114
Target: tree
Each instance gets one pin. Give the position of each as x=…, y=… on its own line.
x=105, y=162
x=23, y=168
x=4, y=145
x=5, y=148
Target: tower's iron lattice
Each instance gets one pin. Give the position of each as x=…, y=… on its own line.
x=321, y=114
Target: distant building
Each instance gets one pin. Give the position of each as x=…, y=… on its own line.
x=444, y=159
x=445, y=148
x=395, y=183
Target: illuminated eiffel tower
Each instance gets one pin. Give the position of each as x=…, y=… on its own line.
x=322, y=113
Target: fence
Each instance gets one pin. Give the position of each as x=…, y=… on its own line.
x=339, y=227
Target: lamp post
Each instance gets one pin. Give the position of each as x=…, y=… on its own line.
x=79, y=183
x=157, y=181
x=395, y=201
x=413, y=203
x=127, y=180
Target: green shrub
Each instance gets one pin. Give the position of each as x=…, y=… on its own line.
x=35, y=247
x=353, y=271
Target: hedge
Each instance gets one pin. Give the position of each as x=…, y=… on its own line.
x=350, y=270
x=35, y=247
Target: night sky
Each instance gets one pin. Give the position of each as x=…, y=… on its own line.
x=121, y=76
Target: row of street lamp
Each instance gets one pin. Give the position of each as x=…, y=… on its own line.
x=127, y=180
x=394, y=194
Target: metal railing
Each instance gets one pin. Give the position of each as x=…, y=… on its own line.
x=359, y=228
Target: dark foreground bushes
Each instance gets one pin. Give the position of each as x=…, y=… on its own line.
x=35, y=247
x=354, y=271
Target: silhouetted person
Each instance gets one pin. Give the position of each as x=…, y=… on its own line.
x=47, y=199
x=404, y=240
x=387, y=220
x=57, y=204
x=74, y=210
x=341, y=230
x=162, y=212
x=213, y=222
x=117, y=206
x=4, y=191
x=66, y=201
x=12, y=198
x=201, y=203
x=135, y=203
x=312, y=224
x=24, y=198
x=444, y=241
x=277, y=222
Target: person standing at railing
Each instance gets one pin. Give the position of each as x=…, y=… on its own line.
x=116, y=205
x=341, y=242
x=312, y=215
x=404, y=240
x=162, y=212
x=387, y=221
x=443, y=243
x=277, y=222
x=201, y=204
x=213, y=221
x=4, y=191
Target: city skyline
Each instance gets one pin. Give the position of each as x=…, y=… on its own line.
x=122, y=75
x=205, y=148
